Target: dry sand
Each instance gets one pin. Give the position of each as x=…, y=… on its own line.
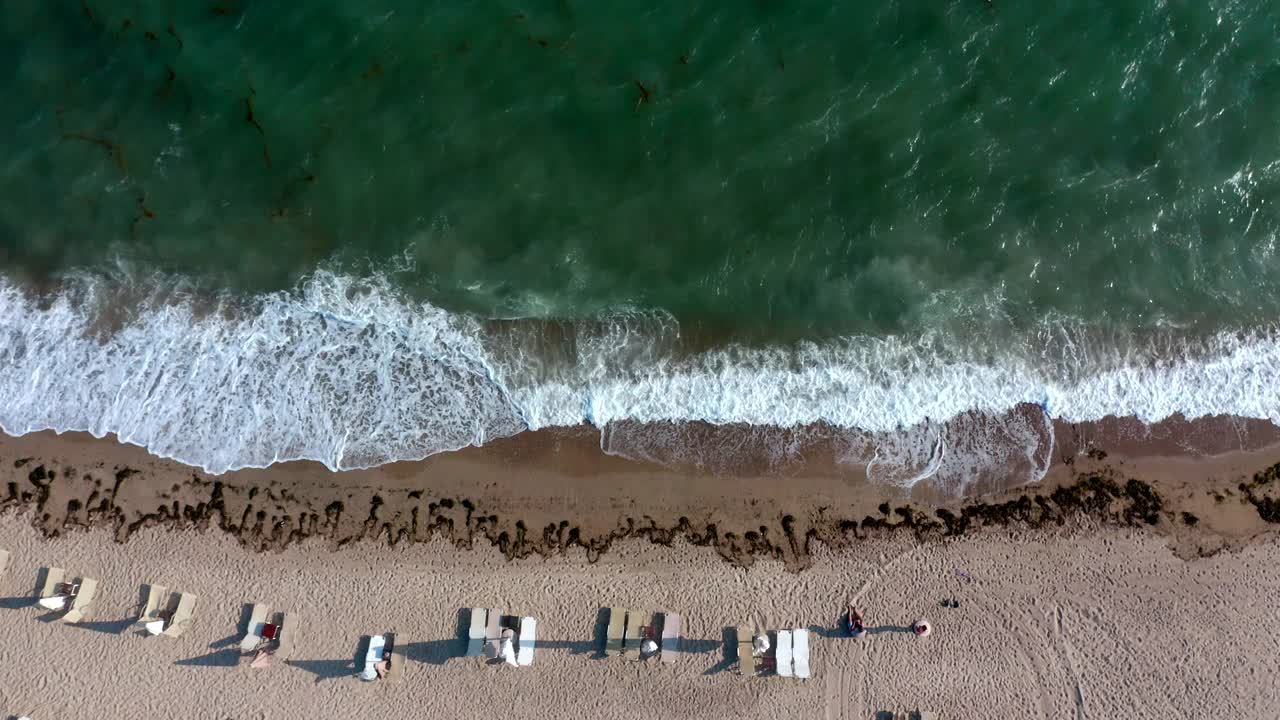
x=1088, y=623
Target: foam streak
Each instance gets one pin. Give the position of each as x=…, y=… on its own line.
x=348, y=373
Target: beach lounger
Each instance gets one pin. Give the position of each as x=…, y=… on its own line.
x=746, y=661
x=156, y=595
x=52, y=579
x=493, y=632
x=635, y=631
x=4, y=561
x=183, y=615
x=476, y=633
x=926, y=715
x=50, y=597
x=372, y=656
x=528, y=636
x=288, y=634
x=83, y=600
x=671, y=623
x=395, y=660
x=617, y=622
x=253, y=633
x=782, y=654
x=800, y=652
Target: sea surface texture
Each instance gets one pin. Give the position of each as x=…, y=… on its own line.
x=239, y=232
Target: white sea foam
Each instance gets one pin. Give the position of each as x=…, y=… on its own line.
x=349, y=373
x=340, y=371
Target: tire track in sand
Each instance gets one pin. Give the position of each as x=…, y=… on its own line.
x=1066, y=654
x=1035, y=660
x=839, y=689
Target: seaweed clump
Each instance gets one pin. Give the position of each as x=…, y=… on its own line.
x=1133, y=503
x=1268, y=507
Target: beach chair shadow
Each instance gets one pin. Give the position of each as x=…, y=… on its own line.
x=599, y=632
x=217, y=658
x=729, y=642
x=333, y=669
x=885, y=715
x=246, y=611
x=111, y=627
x=689, y=646
x=20, y=601
x=829, y=631
x=888, y=629
x=593, y=647
x=16, y=602
x=325, y=669
x=434, y=652
x=575, y=647
x=461, y=625
x=438, y=652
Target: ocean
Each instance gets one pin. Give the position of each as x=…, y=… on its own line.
x=243, y=232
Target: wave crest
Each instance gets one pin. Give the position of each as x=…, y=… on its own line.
x=341, y=371
x=349, y=372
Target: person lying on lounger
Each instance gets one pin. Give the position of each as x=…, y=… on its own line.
x=760, y=644
x=856, y=626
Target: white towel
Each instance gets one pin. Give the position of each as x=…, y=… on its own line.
x=57, y=602
x=509, y=652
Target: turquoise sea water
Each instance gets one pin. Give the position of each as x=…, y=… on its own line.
x=427, y=224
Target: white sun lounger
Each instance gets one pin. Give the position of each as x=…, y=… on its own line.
x=782, y=654
x=183, y=615
x=493, y=632
x=395, y=660
x=613, y=636
x=156, y=595
x=4, y=560
x=635, y=631
x=52, y=579
x=476, y=633
x=671, y=623
x=83, y=600
x=150, y=618
x=373, y=656
x=253, y=633
x=288, y=633
x=800, y=652
x=746, y=660
x=528, y=636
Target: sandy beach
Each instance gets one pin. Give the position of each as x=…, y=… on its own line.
x=1135, y=579
x=1092, y=623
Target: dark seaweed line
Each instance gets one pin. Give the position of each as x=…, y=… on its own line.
x=1133, y=503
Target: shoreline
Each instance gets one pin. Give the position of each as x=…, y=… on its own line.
x=546, y=491
x=349, y=372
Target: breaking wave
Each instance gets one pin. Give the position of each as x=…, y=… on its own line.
x=351, y=373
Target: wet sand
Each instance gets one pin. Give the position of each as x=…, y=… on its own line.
x=543, y=492
x=1092, y=622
